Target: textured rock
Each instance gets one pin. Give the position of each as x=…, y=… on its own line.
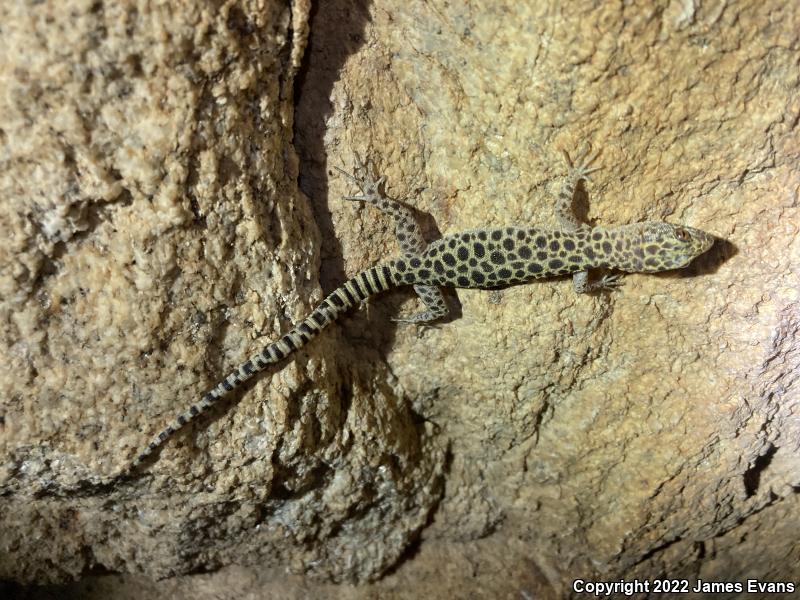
x=155, y=238
x=626, y=434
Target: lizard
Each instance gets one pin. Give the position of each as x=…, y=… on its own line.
x=482, y=258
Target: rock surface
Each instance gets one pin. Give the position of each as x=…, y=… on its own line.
x=154, y=235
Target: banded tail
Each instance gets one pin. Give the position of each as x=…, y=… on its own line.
x=367, y=283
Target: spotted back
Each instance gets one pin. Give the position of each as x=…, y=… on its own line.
x=490, y=258
x=494, y=257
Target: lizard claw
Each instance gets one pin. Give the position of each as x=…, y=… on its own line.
x=366, y=182
x=610, y=282
x=583, y=167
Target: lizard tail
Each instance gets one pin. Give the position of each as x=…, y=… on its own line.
x=367, y=283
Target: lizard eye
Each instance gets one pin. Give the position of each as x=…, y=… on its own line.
x=682, y=234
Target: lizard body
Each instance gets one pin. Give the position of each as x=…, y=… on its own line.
x=482, y=258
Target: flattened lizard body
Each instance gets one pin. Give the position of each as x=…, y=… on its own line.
x=481, y=258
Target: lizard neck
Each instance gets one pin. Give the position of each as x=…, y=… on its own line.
x=616, y=247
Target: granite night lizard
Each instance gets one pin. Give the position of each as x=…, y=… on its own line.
x=482, y=258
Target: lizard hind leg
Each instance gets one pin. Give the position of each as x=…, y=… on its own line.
x=406, y=229
x=436, y=307
x=371, y=188
x=407, y=232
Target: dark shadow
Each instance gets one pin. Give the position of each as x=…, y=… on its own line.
x=78, y=590
x=414, y=545
x=580, y=204
x=752, y=477
x=20, y=592
x=336, y=33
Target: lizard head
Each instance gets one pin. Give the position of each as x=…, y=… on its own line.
x=665, y=246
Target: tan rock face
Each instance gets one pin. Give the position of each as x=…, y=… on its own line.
x=153, y=236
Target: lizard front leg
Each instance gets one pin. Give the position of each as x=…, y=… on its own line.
x=577, y=172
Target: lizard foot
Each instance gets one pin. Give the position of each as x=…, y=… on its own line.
x=608, y=282
x=366, y=182
x=425, y=318
x=583, y=167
